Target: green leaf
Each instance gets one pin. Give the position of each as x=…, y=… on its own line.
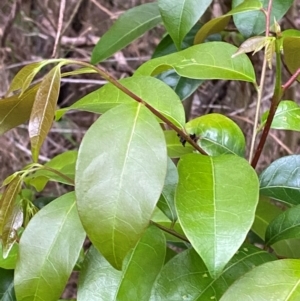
x=280, y=180
x=204, y=61
x=284, y=226
x=130, y=25
x=7, y=292
x=166, y=201
x=100, y=281
x=291, y=56
x=43, y=110
x=287, y=116
x=10, y=261
x=265, y=213
x=48, y=251
x=218, y=24
x=16, y=109
x=185, y=277
x=180, y=16
x=254, y=22
x=120, y=186
x=217, y=135
x=216, y=198
x=150, y=89
x=276, y=280
x=174, y=146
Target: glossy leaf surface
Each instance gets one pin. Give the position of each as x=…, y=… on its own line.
x=284, y=226
x=43, y=110
x=7, y=285
x=204, y=61
x=254, y=23
x=287, y=116
x=216, y=199
x=281, y=283
x=180, y=16
x=150, y=89
x=166, y=201
x=185, y=277
x=48, y=251
x=100, y=281
x=281, y=180
x=218, y=135
x=129, y=26
x=119, y=185
x=218, y=24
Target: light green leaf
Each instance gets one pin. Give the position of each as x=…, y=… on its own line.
x=43, y=110
x=204, y=61
x=254, y=22
x=120, y=174
x=291, y=56
x=284, y=226
x=10, y=261
x=16, y=109
x=130, y=25
x=99, y=281
x=218, y=24
x=7, y=292
x=276, y=280
x=217, y=135
x=48, y=251
x=174, y=146
x=216, y=199
x=180, y=16
x=280, y=180
x=287, y=116
x=166, y=201
x=151, y=90
x=185, y=277
x=265, y=213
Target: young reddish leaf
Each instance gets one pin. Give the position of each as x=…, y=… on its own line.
x=43, y=110
x=16, y=109
x=120, y=174
x=48, y=251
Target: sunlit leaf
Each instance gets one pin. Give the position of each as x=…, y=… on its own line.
x=217, y=135
x=48, y=251
x=204, y=61
x=10, y=261
x=216, y=198
x=180, y=16
x=43, y=110
x=129, y=26
x=281, y=180
x=276, y=280
x=120, y=174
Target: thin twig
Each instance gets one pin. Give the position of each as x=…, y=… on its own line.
x=59, y=26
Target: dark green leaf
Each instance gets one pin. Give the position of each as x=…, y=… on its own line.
x=276, y=280
x=131, y=25
x=217, y=135
x=185, y=277
x=43, y=110
x=284, y=226
x=119, y=185
x=48, y=251
x=254, y=22
x=180, y=16
x=280, y=180
x=7, y=292
x=166, y=201
x=204, y=61
x=216, y=198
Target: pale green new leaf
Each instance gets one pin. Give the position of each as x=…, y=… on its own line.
x=217, y=135
x=129, y=26
x=120, y=174
x=43, y=110
x=280, y=180
x=180, y=16
x=48, y=251
x=216, y=199
x=276, y=280
x=204, y=61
